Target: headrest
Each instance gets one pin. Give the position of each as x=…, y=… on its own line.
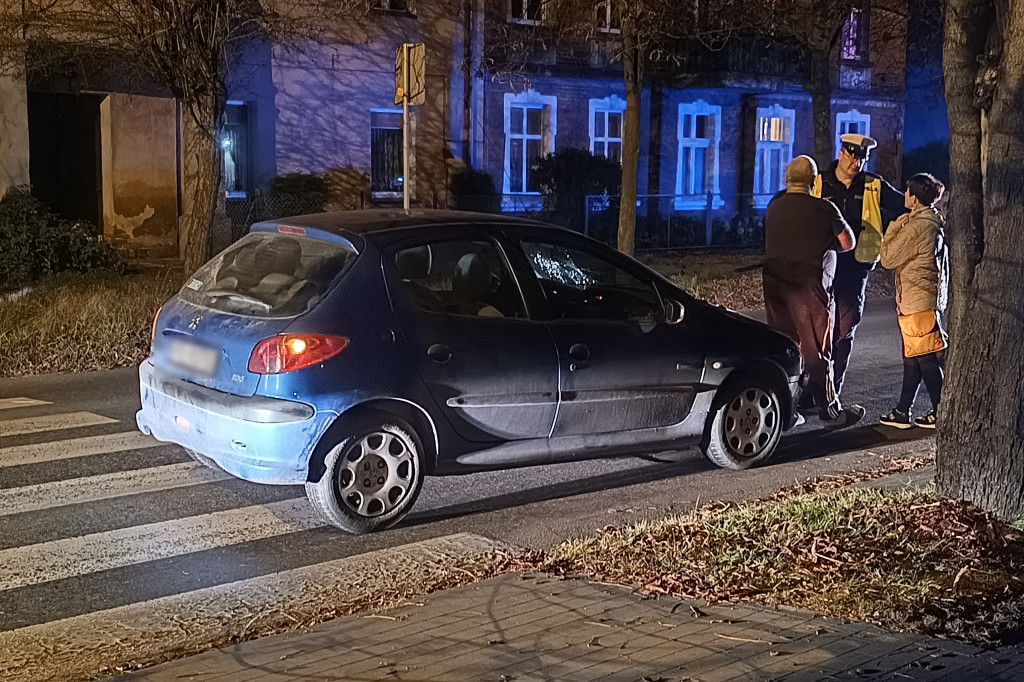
x=413, y=263
x=472, y=277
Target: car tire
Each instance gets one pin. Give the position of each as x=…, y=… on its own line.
x=745, y=424
x=371, y=478
x=202, y=459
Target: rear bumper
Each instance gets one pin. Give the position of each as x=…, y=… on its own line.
x=258, y=439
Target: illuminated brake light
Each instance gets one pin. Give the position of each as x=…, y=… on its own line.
x=290, y=352
x=291, y=229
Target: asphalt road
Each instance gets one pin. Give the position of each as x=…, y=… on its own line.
x=94, y=516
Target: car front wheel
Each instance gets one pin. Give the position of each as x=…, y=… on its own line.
x=746, y=426
x=371, y=478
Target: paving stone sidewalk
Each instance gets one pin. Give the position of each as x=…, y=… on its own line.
x=516, y=628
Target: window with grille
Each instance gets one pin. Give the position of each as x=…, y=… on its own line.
x=606, y=118
x=699, y=132
x=386, y=151
x=773, y=151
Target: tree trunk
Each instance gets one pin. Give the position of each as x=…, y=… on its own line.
x=632, y=67
x=981, y=435
x=820, y=87
x=201, y=179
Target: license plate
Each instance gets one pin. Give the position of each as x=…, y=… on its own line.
x=194, y=358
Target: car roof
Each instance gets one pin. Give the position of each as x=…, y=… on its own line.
x=370, y=221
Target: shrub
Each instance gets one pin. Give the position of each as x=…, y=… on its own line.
x=568, y=177
x=474, y=190
x=38, y=243
x=296, y=193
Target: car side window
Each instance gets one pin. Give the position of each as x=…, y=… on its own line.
x=582, y=286
x=459, y=277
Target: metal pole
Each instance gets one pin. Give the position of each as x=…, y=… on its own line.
x=405, y=125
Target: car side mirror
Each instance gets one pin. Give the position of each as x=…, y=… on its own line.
x=674, y=311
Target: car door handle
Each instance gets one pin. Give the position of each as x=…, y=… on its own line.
x=439, y=353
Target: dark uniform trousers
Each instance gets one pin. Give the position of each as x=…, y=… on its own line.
x=805, y=312
x=848, y=291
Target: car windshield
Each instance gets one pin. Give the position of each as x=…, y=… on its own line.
x=266, y=274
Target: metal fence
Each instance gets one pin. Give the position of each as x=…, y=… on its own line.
x=243, y=212
x=665, y=221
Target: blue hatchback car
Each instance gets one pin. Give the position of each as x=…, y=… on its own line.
x=356, y=352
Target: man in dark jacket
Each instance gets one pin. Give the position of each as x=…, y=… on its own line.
x=868, y=203
x=802, y=235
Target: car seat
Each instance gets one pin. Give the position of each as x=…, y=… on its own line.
x=471, y=285
x=413, y=267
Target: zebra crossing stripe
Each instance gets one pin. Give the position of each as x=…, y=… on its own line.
x=75, y=447
x=82, y=647
x=52, y=422
x=105, y=486
x=11, y=403
x=58, y=559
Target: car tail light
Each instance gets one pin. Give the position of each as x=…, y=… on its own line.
x=152, y=332
x=289, y=352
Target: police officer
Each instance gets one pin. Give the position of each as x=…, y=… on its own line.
x=802, y=235
x=868, y=203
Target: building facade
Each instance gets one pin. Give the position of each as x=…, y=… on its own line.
x=716, y=131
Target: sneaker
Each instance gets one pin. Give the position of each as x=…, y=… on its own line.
x=806, y=402
x=896, y=419
x=927, y=421
x=850, y=415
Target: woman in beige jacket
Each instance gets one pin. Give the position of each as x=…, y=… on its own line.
x=915, y=247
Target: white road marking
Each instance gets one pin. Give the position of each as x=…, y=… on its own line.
x=11, y=403
x=34, y=564
x=80, y=647
x=105, y=487
x=52, y=422
x=75, y=447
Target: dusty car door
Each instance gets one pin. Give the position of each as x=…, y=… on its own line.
x=621, y=366
x=489, y=368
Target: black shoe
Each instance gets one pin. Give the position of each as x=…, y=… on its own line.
x=850, y=415
x=806, y=402
x=926, y=422
x=896, y=419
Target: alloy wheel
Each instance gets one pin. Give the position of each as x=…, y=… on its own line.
x=751, y=422
x=376, y=474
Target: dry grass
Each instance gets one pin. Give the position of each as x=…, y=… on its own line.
x=907, y=560
x=78, y=323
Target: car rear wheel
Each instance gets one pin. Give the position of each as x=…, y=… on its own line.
x=371, y=478
x=745, y=427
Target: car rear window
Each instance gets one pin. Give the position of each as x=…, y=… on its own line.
x=266, y=274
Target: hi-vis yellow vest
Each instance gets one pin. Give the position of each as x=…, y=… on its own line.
x=869, y=242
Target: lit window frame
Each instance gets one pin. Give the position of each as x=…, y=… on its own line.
x=528, y=99
x=603, y=107
x=851, y=116
x=762, y=149
x=856, y=48
x=688, y=143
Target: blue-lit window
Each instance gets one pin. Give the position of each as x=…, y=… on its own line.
x=851, y=122
x=234, y=143
x=699, y=132
x=773, y=152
